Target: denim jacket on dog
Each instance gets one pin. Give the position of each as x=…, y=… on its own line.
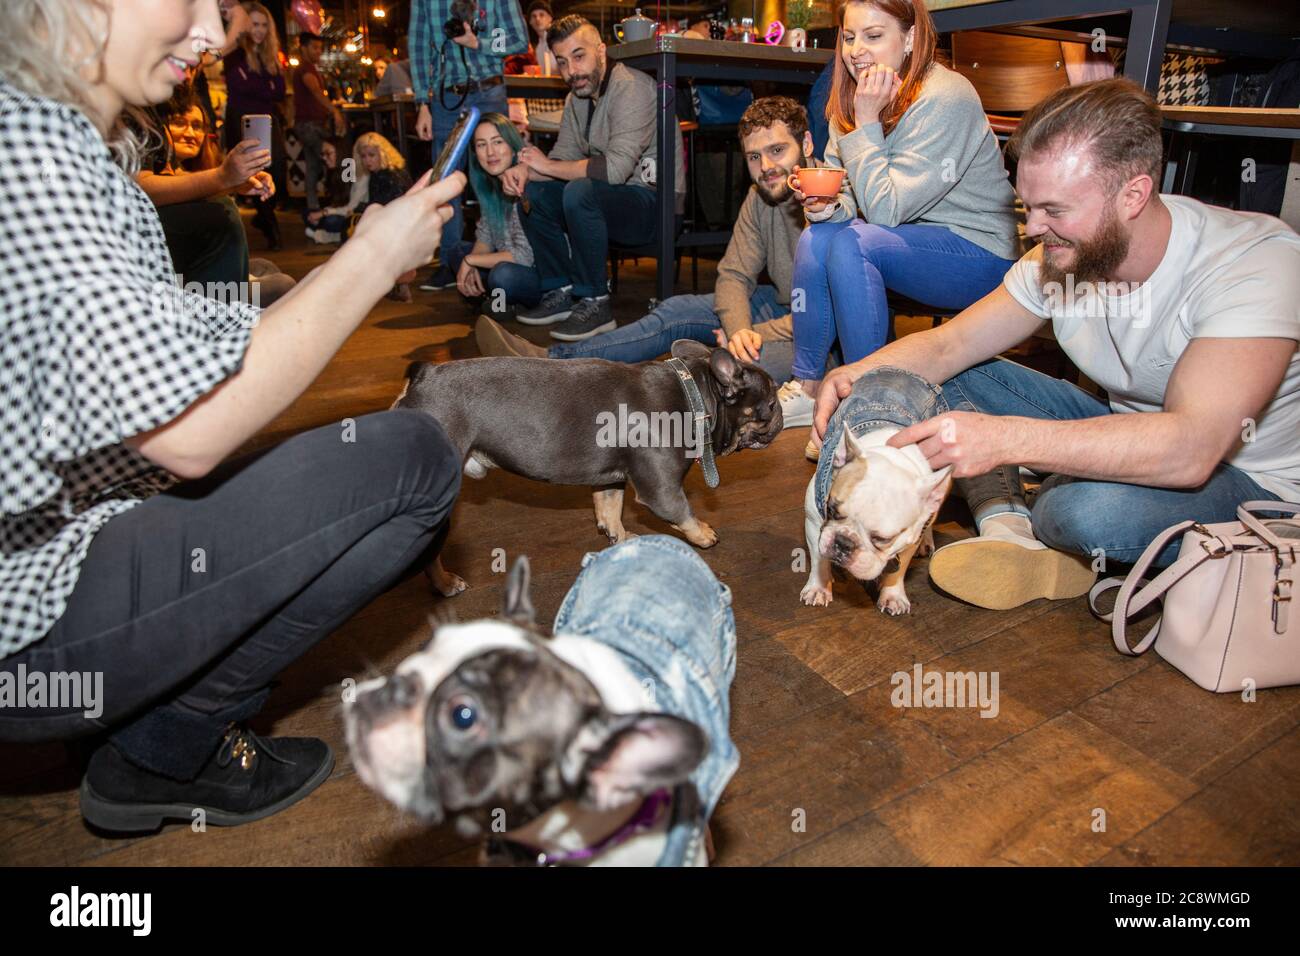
x=654, y=601
x=883, y=397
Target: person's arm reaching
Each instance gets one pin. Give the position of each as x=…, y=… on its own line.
x=988, y=328
x=1179, y=447
x=298, y=335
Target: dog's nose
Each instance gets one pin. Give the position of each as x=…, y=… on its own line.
x=843, y=544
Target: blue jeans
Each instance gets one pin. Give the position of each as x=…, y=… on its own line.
x=1082, y=515
x=682, y=317
x=491, y=100
x=655, y=602
x=517, y=284
x=571, y=225
x=845, y=269
x=335, y=223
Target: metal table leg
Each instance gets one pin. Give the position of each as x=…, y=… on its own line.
x=666, y=165
x=1148, y=32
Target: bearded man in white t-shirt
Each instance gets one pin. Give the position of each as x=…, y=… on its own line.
x=1187, y=315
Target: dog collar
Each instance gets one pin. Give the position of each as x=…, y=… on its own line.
x=646, y=816
x=703, y=421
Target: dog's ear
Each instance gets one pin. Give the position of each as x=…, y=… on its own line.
x=689, y=349
x=935, y=488
x=516, y=605
x=847, y=450
x=728, y=372
x=632, y=755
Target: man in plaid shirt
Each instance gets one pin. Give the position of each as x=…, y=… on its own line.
x=452, y=75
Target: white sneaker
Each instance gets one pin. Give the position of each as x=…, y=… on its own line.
x=796, y=407
x=310, y=233
x=1005, y=566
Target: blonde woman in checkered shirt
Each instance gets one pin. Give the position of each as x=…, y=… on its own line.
x=132, y=549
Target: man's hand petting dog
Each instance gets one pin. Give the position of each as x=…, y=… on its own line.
x=972, y=443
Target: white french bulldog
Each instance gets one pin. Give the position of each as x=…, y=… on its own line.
x=879, y=511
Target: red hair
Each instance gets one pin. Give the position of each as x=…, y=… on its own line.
x=916, y=65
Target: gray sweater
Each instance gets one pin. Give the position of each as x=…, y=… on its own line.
x=940, y=166
x=623, y=139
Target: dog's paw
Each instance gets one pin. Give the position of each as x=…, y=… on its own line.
x=816, y=595
x=446, y=583
x=698, y=533
x=894, y=604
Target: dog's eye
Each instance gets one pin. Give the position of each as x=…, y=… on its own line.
x=463, y=715
x=880, y=542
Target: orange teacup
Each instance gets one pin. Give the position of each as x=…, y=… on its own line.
x=818, y=182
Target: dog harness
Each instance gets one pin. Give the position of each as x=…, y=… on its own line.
x=703, y=421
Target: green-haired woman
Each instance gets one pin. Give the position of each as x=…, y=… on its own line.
x=500, y=266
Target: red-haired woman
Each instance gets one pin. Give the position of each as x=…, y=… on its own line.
x=925, y=207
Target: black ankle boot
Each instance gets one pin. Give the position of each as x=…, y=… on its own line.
x=249, y=777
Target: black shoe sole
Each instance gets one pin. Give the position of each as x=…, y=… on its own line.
x=117, y=817
x=609, y=326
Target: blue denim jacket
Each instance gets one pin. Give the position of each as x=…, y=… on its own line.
x=881, y=398
x=654, y=601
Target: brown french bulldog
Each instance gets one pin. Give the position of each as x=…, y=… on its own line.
x=598, y=423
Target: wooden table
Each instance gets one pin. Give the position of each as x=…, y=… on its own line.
x=536, y=87
x=669, y=57
x=1188, y=123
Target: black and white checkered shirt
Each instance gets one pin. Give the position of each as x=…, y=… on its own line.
x=98, y=344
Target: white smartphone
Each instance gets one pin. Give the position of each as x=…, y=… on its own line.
x=258, y=126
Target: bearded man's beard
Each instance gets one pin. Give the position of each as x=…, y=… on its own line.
x=1095, y=259
x=592, y=81
x=779, y=191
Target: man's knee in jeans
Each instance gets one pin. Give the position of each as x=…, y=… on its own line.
x=579, y=193
x=1070, y=514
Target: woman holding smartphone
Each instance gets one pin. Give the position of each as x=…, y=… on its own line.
x=925, y=207
x=134, y=545
x=255, y=85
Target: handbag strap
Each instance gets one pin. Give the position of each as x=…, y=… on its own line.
x=1127, y=603
x=1258, y=528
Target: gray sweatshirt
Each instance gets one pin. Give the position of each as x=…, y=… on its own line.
x=940, y=166
x=623, y=139
x=764, y=237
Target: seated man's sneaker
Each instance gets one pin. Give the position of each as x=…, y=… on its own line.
x=589, y=317
x=554, y=307
x=812, y=451
x=1005, y=566
x=247, y=778
x=442, y=278
x=494, y=340
x=796, y=405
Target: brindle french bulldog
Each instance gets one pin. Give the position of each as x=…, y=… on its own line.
x=551, y=420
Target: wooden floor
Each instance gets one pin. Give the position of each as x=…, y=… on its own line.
x=1092, y=757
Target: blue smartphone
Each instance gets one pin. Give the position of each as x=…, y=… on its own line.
x=453, y=151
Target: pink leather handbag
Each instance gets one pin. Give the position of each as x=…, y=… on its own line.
x=1226, y=616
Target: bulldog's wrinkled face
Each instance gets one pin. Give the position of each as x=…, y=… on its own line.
x=485, y=718
x=877, y=508
x=748, y=412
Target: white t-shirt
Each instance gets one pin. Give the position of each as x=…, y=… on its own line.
x=1225, y=274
